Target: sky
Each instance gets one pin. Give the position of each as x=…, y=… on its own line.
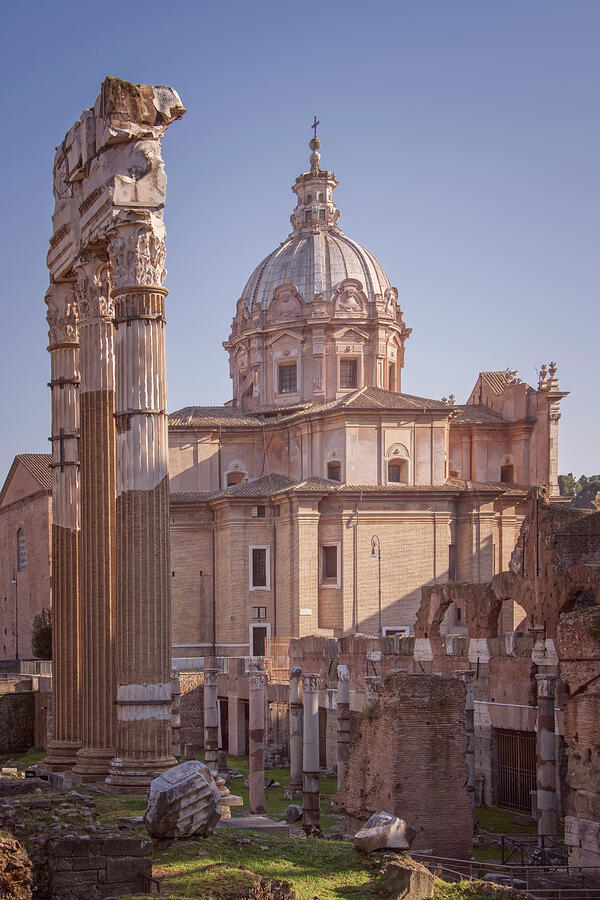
x=464, y=134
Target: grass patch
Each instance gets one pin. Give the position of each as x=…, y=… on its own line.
x=111, y=809
x=501, y=821
x=24, y=760
x=218, y=867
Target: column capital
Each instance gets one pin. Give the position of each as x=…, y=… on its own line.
x=546, y=684
x=257, y=680
x=310, y=684
x=211, y=677
x=92, y=288
x=61, y=314
x=342, y=673
x=137, y=251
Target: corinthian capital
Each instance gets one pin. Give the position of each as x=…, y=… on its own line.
x=62, y=313
x=92, y=288
x=137, y=252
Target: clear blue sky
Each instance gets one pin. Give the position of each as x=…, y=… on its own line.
x=465, y=136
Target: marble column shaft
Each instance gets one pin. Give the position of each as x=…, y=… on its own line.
x=256, y=735
x=467, y=677
x=64, y=385
x=311, y=814
x=143, y=644
x=343, y=704
x=294, y=789
x=211, y=719
x=547, y=801
x=98, y=573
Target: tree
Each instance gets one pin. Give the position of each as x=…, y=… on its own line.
x=567, y=485
x=581, y=491
x=41, y=635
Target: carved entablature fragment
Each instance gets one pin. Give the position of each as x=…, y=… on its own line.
x=286, y=304
x=62, y=314
x=349, y=298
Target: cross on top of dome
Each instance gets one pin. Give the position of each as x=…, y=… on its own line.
x=315, y=209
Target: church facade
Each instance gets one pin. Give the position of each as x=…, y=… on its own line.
x=321, y=499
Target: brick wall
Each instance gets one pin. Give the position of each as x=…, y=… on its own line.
x=410, y=760
x=191, y=686
x=98, y=867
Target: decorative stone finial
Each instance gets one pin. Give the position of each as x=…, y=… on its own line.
x=315, y=209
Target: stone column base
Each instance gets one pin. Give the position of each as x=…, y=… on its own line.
x=93, y=764
x=61, y=756
x=293, y=792
x=134, y=776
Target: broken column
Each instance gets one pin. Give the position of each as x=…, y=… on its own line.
x=256, y=734
x=97, y=472
x=547, y=805
x=343, y=705
x=294, y=789
x=108, y=239
x=211, y=719
x=63, y=347
x=311, y=816
x=467, y=677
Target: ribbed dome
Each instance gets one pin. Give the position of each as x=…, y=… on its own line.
x=316, y=262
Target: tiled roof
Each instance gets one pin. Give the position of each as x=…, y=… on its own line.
x=476, y=414
x=37, y=464
x=498, y=381
x=377, y=398
x=363, y=398
x=270, y=485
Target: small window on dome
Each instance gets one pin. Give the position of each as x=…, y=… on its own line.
x=322, y=214
x=309, y=198
x=308, y=215
x=321, y=198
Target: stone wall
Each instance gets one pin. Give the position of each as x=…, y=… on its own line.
x=410, y=760
x=98, y=867
x=17, y=721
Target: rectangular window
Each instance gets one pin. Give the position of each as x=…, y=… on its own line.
x=308, y=215
x=258, y=512
x=259, y=612
x=260, y=575
x=288, y=378
x=322, y=214
x=398, y=472
x=348, y=373
x=330, y=568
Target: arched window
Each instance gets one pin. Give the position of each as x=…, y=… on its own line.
x=20, y=549
x=334, y=471
x=507, y=474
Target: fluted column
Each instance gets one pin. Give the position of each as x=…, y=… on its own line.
x=256, y=735
x=343, y=722
x=294, y=788
x=211, y=719
x=64, y=385
x=97, y=604
x=547, y=801
x=143, y=645
x=311, y=811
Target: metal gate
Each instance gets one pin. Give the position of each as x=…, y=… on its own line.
x=516, y=768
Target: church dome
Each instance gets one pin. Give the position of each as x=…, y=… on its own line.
x=316, y=262
x=317, y=256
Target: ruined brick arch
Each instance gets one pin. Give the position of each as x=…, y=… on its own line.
x=480, y=605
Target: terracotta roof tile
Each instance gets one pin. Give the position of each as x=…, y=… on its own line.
x=37, y=464
x=476, y=414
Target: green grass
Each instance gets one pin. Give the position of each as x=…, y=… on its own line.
x=218, y=867
x=24, y=760
x=501, y=821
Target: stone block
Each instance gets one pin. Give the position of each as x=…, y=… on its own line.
x=128, y=870
x=184, y=800
x=384, y=831
x=405, y=879
x=127, y=846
